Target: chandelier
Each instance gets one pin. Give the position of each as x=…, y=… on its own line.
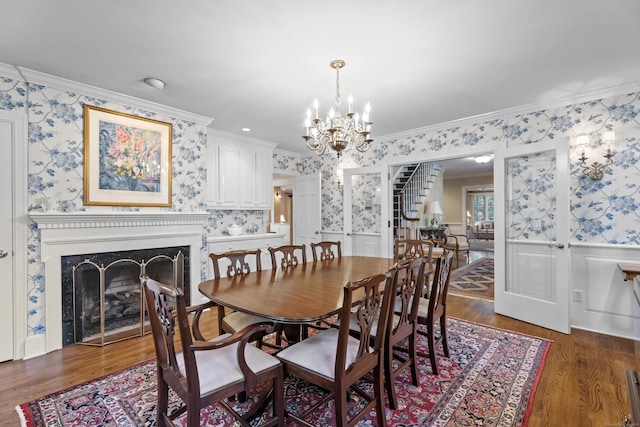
x=338, y=131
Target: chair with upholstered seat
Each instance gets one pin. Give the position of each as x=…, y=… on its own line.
x=459, y=243
x=335, y=360
x=207, y=372
x=289, y=255
x=237, y=265
x=402, y=325
x=409, y=249
x=326, y=250
x=432, y=310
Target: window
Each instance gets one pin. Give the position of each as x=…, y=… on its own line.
x=482, y=207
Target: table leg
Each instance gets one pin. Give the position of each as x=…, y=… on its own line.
x=292, y=333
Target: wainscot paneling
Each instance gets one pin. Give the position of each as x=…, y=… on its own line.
x=601, y=300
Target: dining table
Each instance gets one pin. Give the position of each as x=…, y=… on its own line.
x=303, y=294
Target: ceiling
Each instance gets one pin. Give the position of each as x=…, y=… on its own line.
x=259, y=64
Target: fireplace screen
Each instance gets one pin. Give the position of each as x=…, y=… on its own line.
x=108, y=300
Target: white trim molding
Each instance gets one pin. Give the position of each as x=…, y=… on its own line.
x=64, y=234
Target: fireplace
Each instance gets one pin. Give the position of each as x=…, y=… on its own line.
x=102, y=297
x=65, y=234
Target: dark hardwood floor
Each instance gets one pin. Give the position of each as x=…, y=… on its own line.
x=583, y=382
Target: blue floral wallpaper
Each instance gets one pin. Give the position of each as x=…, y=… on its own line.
x=55, y=176
x=603, y=211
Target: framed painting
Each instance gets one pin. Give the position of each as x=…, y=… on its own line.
x=127, y=159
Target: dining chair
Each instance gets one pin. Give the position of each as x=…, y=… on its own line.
x=237, y=265
x=459, y=243
x=326, y=250
x=289, y=257
x=207, y=372
x=402, y=325
x=410, y=249
x=288, y=260
x=335, y=360
x=432, y=310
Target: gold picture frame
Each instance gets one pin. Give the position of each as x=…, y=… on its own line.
x=127, y=159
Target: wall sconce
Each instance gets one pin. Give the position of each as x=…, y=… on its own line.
x=597, y=170
x=278, y=194
x=299, y=167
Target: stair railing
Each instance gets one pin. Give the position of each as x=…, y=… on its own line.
x=415, y=191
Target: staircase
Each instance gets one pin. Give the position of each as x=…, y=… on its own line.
x=411, y=186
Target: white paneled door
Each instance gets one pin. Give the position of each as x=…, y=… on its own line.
x=6, y=244
x=366, y=218
x=532, y=256
x=307, y=210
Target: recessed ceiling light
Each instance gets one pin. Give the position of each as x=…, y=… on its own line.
x=246, y=130
x=155, y=83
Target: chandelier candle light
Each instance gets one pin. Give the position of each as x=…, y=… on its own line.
x=338, y=131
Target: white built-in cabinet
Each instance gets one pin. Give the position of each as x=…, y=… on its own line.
x=239, y=172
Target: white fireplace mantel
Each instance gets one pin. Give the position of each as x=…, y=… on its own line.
x=98, y=219
x=77, y=233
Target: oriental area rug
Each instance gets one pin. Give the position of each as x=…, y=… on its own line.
x=490, y=380
x=474, y=280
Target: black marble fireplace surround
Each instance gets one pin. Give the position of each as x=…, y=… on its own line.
x=76, y=326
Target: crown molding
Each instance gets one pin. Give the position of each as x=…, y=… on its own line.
x=36, y=77
x=217, y=134
x=523, y=109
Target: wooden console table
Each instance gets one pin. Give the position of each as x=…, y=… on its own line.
x=629, y=271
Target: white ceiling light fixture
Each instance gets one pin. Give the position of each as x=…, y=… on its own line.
x=338, y=131
x=155, y=83
x=483, y=159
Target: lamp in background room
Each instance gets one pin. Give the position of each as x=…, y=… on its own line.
x=282, y=220
x=338, y=131
x=434, y=209
x=596, y=170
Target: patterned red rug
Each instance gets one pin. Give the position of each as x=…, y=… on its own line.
x=490, y=380
x=474, y=280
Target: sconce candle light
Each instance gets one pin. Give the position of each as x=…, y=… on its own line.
x=597, y=170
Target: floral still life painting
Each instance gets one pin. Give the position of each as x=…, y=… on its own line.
x=127, y=159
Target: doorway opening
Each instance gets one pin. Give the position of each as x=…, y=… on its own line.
x=281, y=217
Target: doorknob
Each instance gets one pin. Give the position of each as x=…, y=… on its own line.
x=560, y=246
x=316, y=232
x=3, y=253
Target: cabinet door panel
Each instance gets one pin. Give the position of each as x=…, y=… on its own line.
x=264, y=180
x=228, y=177
x=247, y=178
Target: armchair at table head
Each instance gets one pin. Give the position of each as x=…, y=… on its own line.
x=326, y=250
x=194, y=374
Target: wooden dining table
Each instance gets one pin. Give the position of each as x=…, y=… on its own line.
x=302, y=294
